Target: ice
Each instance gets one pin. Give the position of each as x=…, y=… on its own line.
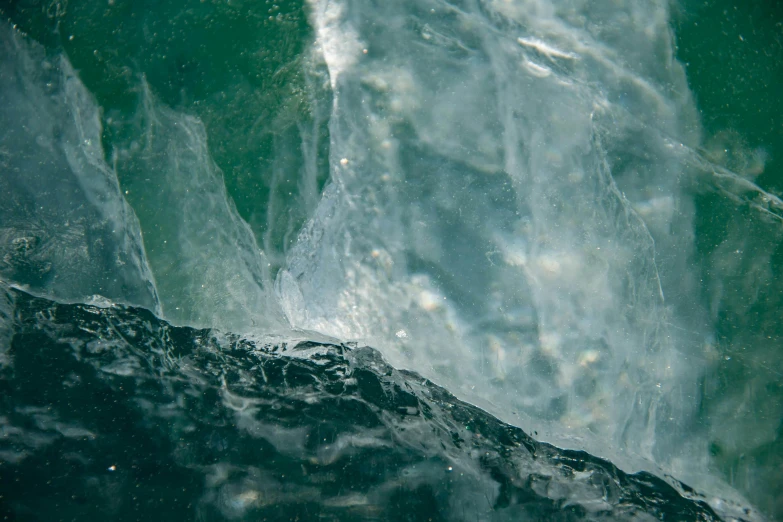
x=209, y=268
x=503, y=191
x=65, y=229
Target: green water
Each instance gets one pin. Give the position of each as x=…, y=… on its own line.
x=733, y=53
x=245, y=69
x=135, y=419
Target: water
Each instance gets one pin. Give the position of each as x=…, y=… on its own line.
x=112, y=413
x=524, y=202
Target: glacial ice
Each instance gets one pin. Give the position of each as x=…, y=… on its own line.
x=512, y=186
x=498, y=156
x=65, y=228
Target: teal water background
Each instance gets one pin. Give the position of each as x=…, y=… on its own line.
x=237, y=66
x=733, y=55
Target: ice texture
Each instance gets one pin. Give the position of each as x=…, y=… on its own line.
x=210, y=270
x=65, y=228
x=507, y=190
